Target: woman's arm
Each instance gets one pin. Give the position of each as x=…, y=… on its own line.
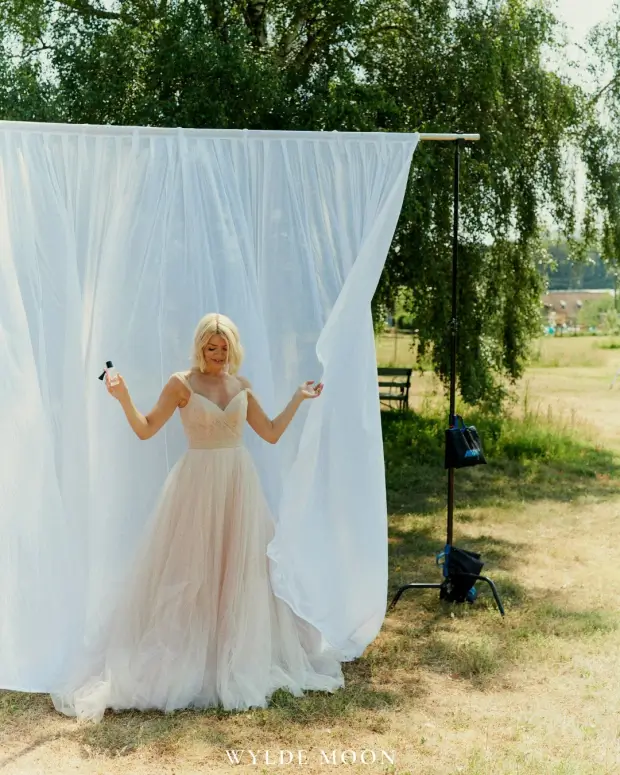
x=272, y=430
x=173, y=395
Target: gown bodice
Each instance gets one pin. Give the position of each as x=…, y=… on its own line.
x=208, y=426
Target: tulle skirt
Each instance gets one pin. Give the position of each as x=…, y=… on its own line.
x=198, y=624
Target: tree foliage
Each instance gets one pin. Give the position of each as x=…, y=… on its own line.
x=565, y=274
x=350, y=65
x=600, y=144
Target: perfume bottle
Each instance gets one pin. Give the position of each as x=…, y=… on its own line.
x=111, y=372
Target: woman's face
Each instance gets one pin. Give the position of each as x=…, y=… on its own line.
x=216, y=353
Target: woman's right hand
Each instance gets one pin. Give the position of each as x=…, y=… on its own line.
x=117, y=389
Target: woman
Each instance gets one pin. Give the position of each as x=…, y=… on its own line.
x=198, y=624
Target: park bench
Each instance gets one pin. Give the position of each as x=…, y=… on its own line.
x=394, y=384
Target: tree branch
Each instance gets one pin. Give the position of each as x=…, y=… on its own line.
x=292, y=31
x=312, y=43
x=29, y=52
x=254, y=13
x=387, y=28
x=84, y=8
x=602, y=91
x=216, y=14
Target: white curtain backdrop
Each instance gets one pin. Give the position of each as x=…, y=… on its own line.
x=113, y=243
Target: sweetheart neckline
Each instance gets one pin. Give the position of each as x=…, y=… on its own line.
x=217, y=406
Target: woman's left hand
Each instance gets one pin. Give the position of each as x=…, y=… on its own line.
x=310, y=390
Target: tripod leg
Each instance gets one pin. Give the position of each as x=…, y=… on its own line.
x=495, y=595
x=420, y=585
x=491, y=584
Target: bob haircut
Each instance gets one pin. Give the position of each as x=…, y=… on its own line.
x=212, y=325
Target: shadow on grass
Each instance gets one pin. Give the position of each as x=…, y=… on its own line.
x=125, y=733
x=118, y=734
x=527, y=461
x=537, y=629
x=318, y=708
x=412, y=544
x=164, y=734
x=22, y=707
x=412, y=560
x=475, y=644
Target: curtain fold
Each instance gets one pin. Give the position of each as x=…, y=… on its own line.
x=114, y=241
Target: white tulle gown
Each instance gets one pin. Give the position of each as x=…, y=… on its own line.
x=198, y=624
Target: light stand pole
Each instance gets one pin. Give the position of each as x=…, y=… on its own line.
x=453, y=575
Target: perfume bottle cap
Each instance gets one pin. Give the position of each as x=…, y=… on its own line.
x=108, y=365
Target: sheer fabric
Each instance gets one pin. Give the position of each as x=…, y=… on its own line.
x=113, y=243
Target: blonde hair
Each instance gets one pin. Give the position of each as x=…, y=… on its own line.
x=212, y=325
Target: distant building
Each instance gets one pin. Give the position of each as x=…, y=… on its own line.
x=562, y=307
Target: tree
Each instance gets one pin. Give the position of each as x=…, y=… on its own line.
x=600, y=143
x=375, y=65
x=565, y=274
x=485, y=73
x=601, y=314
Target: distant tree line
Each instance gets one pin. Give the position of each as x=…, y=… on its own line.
x=564, y=274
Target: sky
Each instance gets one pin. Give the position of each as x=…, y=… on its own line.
x=580, y=16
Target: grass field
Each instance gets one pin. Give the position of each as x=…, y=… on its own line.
x=443, y=689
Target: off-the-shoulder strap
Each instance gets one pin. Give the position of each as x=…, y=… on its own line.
x=246, y=386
